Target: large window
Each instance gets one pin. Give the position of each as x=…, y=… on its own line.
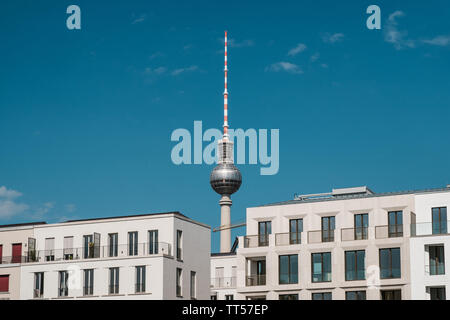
x=321, y=267
x=264, y=229
x=113, y=244
x=395, y=224
x=437, y=263
x=295, y=231
x=179, y=290
x=140, y=279
x=193, y=285
x=355, y=265
x=355, y=295
x=113, y=280
x=4, y=282
x=288, y=297
x=179, y=245
x=88, y=248
x=439, y=216
x=321, y=296
x=68, y=248
x=391, y=294
x=153, y=242
x=88, y=289
x=328, y=225
x=229, y=297
x=63, y=288
x=361, y=226
x=390, y=266
x=133, y=243
x=50, y=249
x=38, y=285
x=288, y=269
x=437, y=293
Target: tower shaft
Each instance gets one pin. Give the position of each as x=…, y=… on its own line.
x=225, y=220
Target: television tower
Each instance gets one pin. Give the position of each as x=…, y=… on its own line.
x=225, y=178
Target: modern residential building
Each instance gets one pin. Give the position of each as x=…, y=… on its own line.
x=15, y=243
x=347, y=244
x=224, y=274
x=153, y=256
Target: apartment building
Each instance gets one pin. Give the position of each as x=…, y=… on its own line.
x=347, y=244
x=430, y=247
x=154, y=256
x=14, y=245
x=223, y=275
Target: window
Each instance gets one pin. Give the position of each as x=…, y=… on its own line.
x=16, y=253
x=153, y=242
x=63, y=289
x=178, y=285
x=140, y=279
x=328, y=224
x=295, y=231
x=264, y=229
x=391, y=294
x=50, y=249
x=437, y=264
x=288, y=297
x=395, y=224
x=355, y=295
x=133, y=243
x=355, y=265
x=113, y=244
x=113, y=280
x=321, y=267
x=38, y=285
x=437, y=293
x=439, y=216
x=179, y=244
x=88, y=289
x=361, y=226
x=288, y=269
x=193, y=285
x=321, y=296
x=4, y=283
x=68, y=248
x=214, y=297
x=229, y=297
x=390, y=263
x=88, y=251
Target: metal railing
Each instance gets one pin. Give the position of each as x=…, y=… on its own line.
x=63, y=292
x=255, y=280
x=38, y=293
x=139, y=287
x=389, y=231
x=141, y=249
x=113, y=289
x=223, y=282
x=14, y=259
x=350, y=234
x=290, y=238
x=430, y=228
x=88, y=291
x=261, y=240
x=319, y=236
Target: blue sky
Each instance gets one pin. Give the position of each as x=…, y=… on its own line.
x=86, y=116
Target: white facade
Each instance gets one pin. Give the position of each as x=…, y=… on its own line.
x=223, y=276
x=428, y=233
x=56, y=252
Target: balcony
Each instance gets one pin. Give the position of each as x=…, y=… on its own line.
x=290, y=238
x=14, y=259
x=389, y=231
x=352, y=234
x=261, y=240
x=125, y=250
x=429, y=228
x=223, y=283
x=255, y=280
x=320, y=236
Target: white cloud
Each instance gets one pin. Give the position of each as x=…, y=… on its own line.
x=441, y=41
x=324, y=65
x=299, y=48
x=158, y=70
x=394, y=35
x=140, y=19
x=8, y=206
x=182, y=70
x=315, y=57
x=70, y=207
x=332, y=38
x=284, y=66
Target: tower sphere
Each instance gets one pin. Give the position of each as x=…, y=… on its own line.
x=225, y=179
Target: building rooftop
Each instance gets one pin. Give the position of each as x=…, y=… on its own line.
x=349, y=193
x=129, y=216
x=22, y=224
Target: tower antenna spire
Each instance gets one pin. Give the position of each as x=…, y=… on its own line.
x=225, y=94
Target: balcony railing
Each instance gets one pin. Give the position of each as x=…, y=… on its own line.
x=15, y=259
x=320, y=236
x=290, y=238
x=141, y=249
x=139, y=287
x=224, y=282
x=389, y=231
x=88, y=291
x=38, y=293
x=261, y=240
x=430, y=228
x=256, y=280
x=113, y=289
x=351, y=234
